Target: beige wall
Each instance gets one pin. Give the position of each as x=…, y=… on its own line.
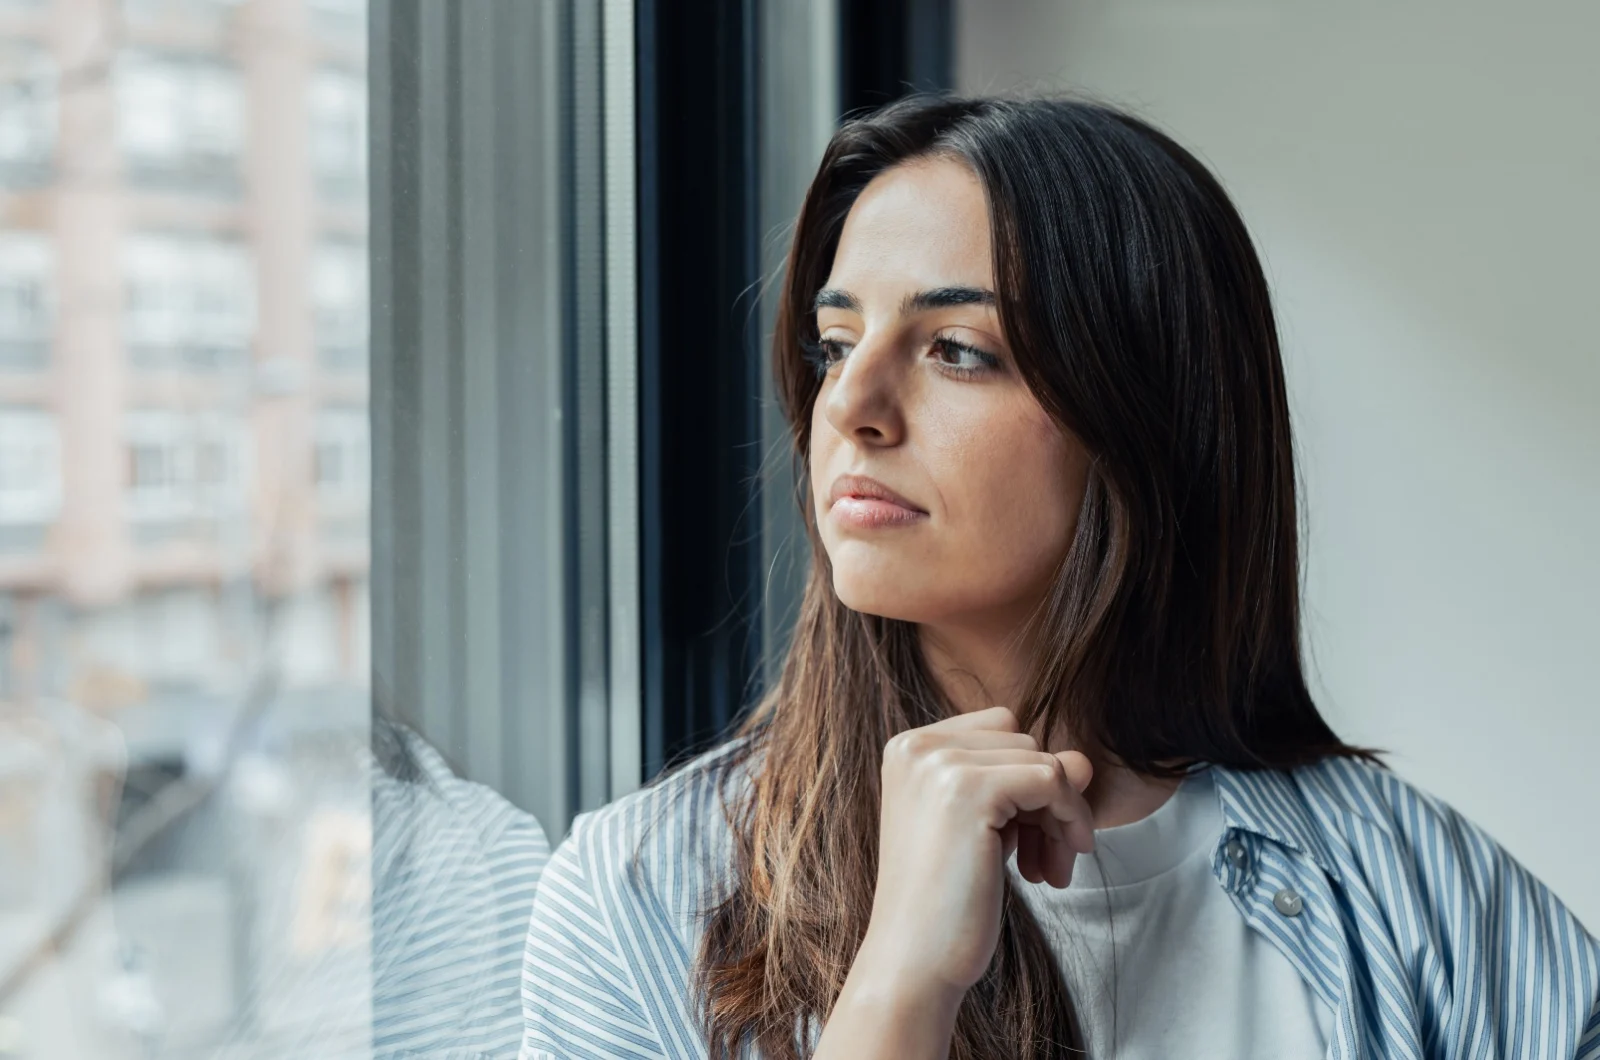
x=1424, y=182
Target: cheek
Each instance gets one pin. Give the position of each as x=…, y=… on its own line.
x=1013, y=488
x=819, y=456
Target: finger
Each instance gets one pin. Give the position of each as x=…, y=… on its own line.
x=1079, y=769
x=1040, y=814
x=1045, y=821
x=978, y=740
x=1058, y=861
x=1009, y=837
x=1000, y=719
x=1020, y=788
x=960, y=754
x=1043, y=851
x=1031, y=852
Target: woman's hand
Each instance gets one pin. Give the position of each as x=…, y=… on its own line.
x=958, y=797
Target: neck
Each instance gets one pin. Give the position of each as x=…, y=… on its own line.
x=978, y=669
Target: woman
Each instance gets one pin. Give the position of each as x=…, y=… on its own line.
x=1030, y=361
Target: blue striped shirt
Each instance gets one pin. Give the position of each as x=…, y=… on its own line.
x=1425, y=938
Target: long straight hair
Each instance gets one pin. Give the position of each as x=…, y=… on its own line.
x=1139, y=317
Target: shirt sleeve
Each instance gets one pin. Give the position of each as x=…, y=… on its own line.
x=580, y=999
x=1527, y=973
x=608, y=966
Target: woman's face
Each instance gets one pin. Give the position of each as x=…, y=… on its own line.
x=923, y=396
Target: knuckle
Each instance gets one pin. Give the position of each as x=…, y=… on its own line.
x=901, y=747
x=956, y=783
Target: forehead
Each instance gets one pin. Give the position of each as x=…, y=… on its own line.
x=924, y=223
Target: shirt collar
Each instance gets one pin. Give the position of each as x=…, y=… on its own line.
x=1269, y=803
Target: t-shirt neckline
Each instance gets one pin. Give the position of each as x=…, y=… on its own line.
x=1189, y=821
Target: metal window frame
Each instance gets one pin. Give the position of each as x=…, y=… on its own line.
x=497, y=288
x=699, y=369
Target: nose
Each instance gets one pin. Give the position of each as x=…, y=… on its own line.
x=865, y=401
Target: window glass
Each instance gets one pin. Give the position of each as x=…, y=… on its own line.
x=185, y=783
x=26, y=266
x=338, y=108
x=190, y=301
x=180, y=119
x=30, y=467
x=27, y=112
x=339, y=297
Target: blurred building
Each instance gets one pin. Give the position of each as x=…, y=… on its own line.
x=183, y=504
x=183, y=331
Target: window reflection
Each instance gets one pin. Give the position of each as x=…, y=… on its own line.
x=184, y=465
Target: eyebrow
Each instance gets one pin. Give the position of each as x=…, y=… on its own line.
x=916, y=302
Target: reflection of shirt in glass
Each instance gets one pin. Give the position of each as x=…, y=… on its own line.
x=1158, y=961
x=454, y=870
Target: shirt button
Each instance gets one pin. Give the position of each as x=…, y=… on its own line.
x=1287, y=902
x=1237, y=854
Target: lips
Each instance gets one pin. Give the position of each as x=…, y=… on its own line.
x=866, y=503
x=863, y=488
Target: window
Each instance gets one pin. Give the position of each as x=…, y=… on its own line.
x=183, y=465
x=26, y=261
x=222, y=306
x=190, y=301
x=343, y=457
x=158, y=295
x=339, y=301
x=27, y=113
x=30, y=467
x=200, y=625
x=338, y=116
x=537, y=456
x=180, y=120
x=184, y=703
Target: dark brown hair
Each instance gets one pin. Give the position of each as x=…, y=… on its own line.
x=1139, y=317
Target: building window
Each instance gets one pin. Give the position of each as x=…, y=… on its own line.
x=343, y=457
x=190, y=302
x=30, y=467
x=339, y=300
x=27, y=114
x=25, y=299
x=180, y=121
x=338, y=116
x=184, y=465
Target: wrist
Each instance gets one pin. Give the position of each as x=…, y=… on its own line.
x=881, y=1017
x=880, y=978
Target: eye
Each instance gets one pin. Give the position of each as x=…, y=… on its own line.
x=976, y=361
x=952, y=356
x=823, y=354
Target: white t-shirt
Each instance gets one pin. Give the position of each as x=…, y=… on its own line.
x=1158, y=960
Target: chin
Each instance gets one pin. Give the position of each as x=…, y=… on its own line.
x=878, y=592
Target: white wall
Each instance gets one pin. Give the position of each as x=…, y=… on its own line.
x=1424, y=182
